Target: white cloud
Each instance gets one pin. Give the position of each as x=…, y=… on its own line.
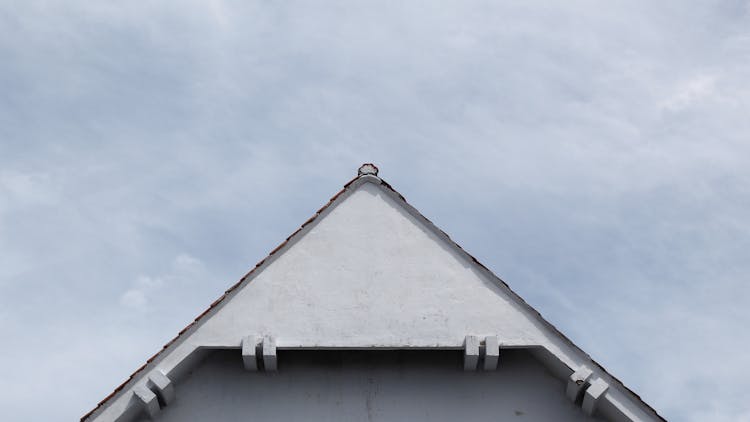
x=691, y=91
x=184, y=272
x=150, y=154
x=25, y=189
x=134, y=298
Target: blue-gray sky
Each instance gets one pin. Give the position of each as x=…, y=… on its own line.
x=594, y=155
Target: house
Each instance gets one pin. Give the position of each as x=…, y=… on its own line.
x=368, y=312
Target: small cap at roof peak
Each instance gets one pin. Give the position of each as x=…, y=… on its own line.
x=367, y=168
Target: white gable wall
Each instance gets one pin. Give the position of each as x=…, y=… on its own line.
x=371, y=273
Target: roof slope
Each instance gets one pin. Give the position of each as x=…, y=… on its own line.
x=369, y=271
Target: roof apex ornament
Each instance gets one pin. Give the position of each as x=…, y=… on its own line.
x=367, y=169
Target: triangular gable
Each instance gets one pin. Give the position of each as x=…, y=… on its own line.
x=369, y=271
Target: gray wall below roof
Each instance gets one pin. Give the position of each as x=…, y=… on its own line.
x=371, y=386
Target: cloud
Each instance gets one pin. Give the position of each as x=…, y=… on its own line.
x=26, y=189
x=134, y=298
x=690, y=92
x=184, y=272
x=150, y=155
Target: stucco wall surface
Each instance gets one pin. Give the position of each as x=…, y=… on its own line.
x=369, y=274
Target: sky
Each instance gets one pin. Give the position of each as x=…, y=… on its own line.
x=594, y=155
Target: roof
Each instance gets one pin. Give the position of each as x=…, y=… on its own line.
x=367, y=175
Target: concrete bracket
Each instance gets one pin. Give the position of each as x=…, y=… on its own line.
x=471, y=353
x=148, y=400
x=593, y=394
x=578, y=381
x=269, y=354
x=491, y=353
x=250, y=352
x=162, y=386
